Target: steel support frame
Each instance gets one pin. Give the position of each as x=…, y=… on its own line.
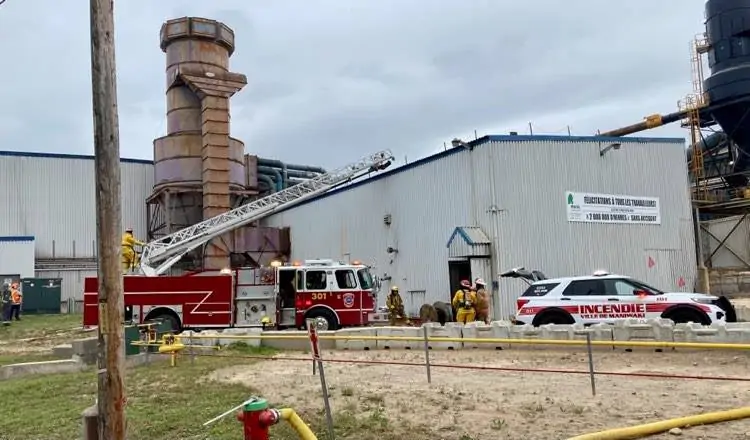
x=161, y=204
x=723, y=244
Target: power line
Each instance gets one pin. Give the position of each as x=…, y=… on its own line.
x=1, y=2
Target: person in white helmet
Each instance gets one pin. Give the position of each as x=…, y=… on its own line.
x=483, y=301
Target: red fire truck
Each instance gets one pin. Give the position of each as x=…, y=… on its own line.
x=332, y=293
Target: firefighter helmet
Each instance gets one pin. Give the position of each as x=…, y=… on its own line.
x=129, y=230
x=466, y=284
x=480, y=282
x=394, y=288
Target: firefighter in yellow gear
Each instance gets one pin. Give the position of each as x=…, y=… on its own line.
x=464, y=301
x=128, y=244
x=395, y=306
x=483, y=301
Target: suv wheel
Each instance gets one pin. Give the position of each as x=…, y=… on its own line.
x=553, y=318
x=685, y=315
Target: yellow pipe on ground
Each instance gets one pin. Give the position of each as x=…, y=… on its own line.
x=639, y=431
x=304, y=431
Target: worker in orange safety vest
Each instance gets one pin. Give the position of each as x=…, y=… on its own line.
x=128, y=244
x=16, y=298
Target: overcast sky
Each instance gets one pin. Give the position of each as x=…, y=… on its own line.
x=330, y=80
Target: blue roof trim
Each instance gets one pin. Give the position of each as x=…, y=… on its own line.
x=15, y=238
x=557, y=138
x=478, y=142
x=67, y=156
x=461, y=233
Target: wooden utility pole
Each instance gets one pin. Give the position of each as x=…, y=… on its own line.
x=111, y=384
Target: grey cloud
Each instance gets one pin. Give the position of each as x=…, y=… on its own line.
x=331, y=80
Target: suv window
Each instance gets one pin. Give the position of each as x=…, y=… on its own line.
x=585, y=288
x=539, y=289
x=346, y=279
x=620, y=287
x=315, y=280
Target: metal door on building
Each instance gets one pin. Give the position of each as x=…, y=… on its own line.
x=457, y=271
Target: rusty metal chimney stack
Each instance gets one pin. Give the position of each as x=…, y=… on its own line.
x=198, y=165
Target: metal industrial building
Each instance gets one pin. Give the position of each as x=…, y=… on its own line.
x=48, y=203
x=427, y=224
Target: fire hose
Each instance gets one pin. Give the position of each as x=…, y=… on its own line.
x=639, y=431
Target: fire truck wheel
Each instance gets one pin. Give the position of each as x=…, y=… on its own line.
x=324, y=318
x=172, y=321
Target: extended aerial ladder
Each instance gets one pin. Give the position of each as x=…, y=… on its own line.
x=159, y=255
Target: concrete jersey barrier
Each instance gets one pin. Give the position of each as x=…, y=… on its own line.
x=370, y=338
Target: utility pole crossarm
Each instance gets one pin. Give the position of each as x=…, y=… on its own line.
x=167, y=250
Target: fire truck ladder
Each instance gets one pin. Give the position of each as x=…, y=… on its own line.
x=159, y=255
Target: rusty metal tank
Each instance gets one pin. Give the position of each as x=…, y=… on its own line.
x=198, y=44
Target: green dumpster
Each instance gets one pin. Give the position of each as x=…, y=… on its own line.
x=132, y=335
x=41, y=295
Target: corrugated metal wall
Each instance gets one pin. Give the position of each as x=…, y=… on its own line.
x=17, y=256
x=514, y=189
x=52, y=197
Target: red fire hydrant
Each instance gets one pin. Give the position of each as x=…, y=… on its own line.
x=256, y=418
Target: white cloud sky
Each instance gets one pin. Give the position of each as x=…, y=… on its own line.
x=331, y=80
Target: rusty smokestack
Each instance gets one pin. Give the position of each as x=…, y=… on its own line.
x=197, y=161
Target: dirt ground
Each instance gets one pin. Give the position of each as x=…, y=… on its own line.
x=468, y=405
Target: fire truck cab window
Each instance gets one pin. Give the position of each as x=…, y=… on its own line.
x=286, y=287
x=346, y=279
x=315, y=280
x=365, y=278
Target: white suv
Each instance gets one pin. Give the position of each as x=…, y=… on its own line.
x=606, y=298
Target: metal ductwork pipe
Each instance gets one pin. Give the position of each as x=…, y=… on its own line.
x=289, y=166
x=268, y=181
x=278, y=178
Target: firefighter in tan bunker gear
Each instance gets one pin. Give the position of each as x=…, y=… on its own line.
x=483, y=301
x=129, y=257
x=395, y=306
x=464, y=301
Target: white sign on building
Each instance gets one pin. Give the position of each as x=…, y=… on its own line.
x=610, y=208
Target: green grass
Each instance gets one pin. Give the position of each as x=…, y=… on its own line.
x=171, y=403
x=19, y=358
x=50, y=328
x=42, y=326
x=163, y=402
x=31, y=339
